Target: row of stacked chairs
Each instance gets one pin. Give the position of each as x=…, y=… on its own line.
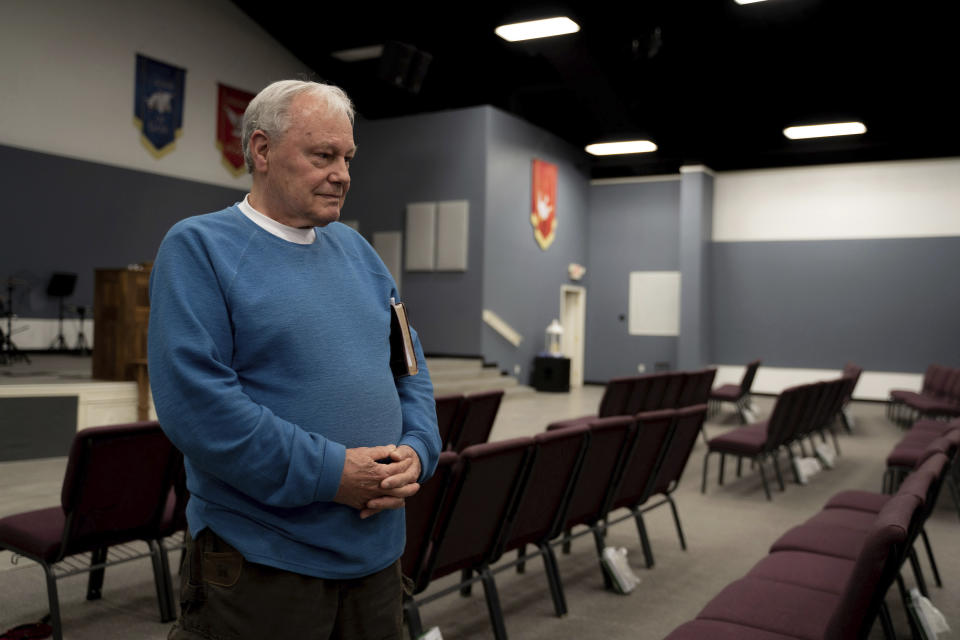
x=799, y=413
x=465, y=420
x=497, y=497
x=123, y=483
x=827, y=579
x=939, y=397
x=924, y=435
x=652, y=392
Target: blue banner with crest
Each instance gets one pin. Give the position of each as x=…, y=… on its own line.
x=158, y=104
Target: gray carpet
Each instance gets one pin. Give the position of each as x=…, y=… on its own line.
x=728, y=530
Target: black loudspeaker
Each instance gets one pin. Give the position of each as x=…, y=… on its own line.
x=61, y=285
x=403, y=66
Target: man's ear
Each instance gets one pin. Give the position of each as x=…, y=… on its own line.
x=259, y=146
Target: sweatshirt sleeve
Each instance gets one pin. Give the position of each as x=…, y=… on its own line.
x=199, y=400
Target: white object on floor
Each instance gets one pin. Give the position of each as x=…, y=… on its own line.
x=615, y=563
x=432, y=634
x=932, y=622
x=805, y=468
x=824, y=455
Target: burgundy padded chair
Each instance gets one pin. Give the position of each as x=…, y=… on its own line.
x=115, y=491
x=556, y=466
x=652, y=399
x=654, y=434
x=611, y=445
x=486, y=482
x=477, y=413
x=616, y=395
x=738, y=394
x=671, y=393
x=689, y=422
x=421, y=511
x=852, y=372
x=447, y=409
x=761, y=441
x=780, y=607
x=696, y=388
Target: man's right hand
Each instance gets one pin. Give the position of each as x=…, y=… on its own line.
x=361, y=478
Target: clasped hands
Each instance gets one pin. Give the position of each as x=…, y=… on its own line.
x=372, y=486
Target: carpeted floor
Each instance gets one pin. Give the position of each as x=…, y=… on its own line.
x=728, y=530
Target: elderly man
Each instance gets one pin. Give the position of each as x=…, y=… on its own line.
x=270, y=366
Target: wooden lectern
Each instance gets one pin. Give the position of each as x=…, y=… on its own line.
x=121, y=313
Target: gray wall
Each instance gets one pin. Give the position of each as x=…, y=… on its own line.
x=887, y=304
x=62, y=214
x=696, y=224
x=633, y=227
x=427, y=158
x=521, y=282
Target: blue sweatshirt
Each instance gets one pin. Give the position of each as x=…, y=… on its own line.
x=267, y=360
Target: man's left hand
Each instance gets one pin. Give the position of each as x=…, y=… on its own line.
x=404, y=474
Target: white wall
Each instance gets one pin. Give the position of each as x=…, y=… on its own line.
x=67, y=77
x=905, y=199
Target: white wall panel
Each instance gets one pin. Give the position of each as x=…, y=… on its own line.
x=388, y=244
x=654, y=303
x=67, y=69
x=916, y=198
x=453, y=227
x=421, y=229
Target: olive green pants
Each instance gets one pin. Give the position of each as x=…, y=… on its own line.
x=225, y=597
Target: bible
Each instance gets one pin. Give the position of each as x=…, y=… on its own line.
x=403, y=359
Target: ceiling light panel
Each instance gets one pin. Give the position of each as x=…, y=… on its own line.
x=825, y=130
x=622, y=147
x=545, y=28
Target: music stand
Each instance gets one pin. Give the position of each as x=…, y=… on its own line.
x=61, y=285
x=9, y=353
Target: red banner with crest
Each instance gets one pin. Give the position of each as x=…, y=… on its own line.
x=543, y=214
x=231, y=103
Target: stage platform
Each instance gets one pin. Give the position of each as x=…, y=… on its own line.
x=44, y=402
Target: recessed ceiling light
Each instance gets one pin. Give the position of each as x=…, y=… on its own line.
x=537, y=29
x=825, y=130
x=359, y=53
x=748, y=1
x=617, y=148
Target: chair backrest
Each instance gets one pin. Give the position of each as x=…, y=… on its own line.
x=746, y=383
x=611, y=442
x=786, y=417
x=487, y=480
x=642, y=386
x=653, y=399
x=671, y=394
x=447, y=410
x=952, y=386
x=116, y=485
x=852, y=372
x=421, y=512
x=686, y=429
x=616, y=395
x=654, y=433
x=874, y=570
x=554, y=472
x=934, y=382
x=477, y=414
x=696, y=388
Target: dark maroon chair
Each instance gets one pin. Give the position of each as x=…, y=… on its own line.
x=448, y=408
x=556, y=466
x=760, y=605
x=611, y=445
x=477, y=413
x=115, y=490
x=852, y=372
x=652, y=399
x=939, y=397
x=671, y=393
x=421, y=511
x=486, y=482
x=689, y=422
x=654, y=434
x=696, y=388
x=762, y=441
x=616, y=395
x=738, y=394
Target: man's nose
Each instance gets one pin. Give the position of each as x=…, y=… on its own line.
x=340, y=172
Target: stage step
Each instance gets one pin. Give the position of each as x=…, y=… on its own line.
x=468, y=375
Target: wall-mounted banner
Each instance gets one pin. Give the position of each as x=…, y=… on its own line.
x=544, y=212
x=231, y=103
x=158, y=104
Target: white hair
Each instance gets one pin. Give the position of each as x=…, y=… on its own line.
x=269, y=111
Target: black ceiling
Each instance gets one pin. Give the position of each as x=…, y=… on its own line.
x=710, y=82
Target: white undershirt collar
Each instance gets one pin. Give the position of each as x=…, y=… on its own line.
x=282, y=231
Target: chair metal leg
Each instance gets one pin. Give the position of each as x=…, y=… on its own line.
x=723, y=459
x=763, y=479
x=466, y=589
x=95, y=579
x=793, y=466
x=918, y=572
x=776, y=469
x=915, y=631
x=164, y=584
x=521, y=554
x=553, y=580
x=644, y=539
x=933, y=563
x=54, y=601
x=836, y=442
x=703, y=482
x=566, y=542
x=412, y=614
x=739, y=466
x=676, y=521
x=886, y=622
x=600, y=543
x=493, y=604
